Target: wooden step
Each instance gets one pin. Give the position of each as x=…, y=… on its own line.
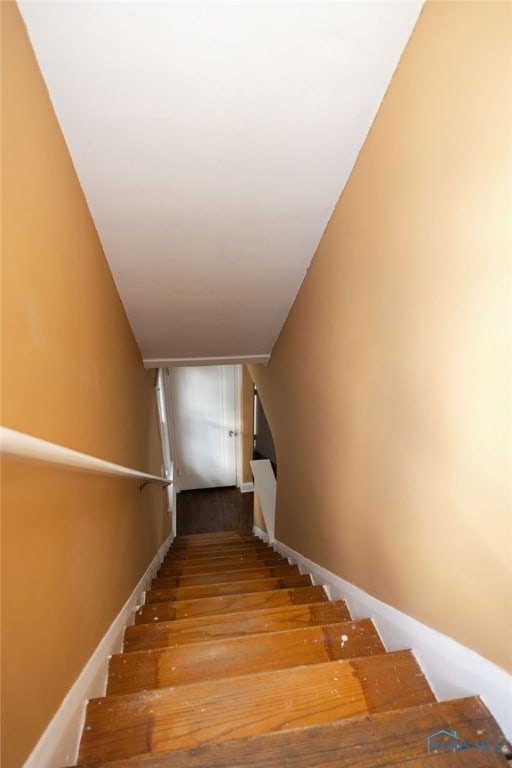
x=191, y=715
x=229, y=588
x=213, y=606
x=186, y=569
x=162, y=668
x=222, y=577
x=219, y=554
x=236, y=557
x=198, y=539
x=233, y=544
x=202, y=551
x=385, y=739
x=163, y=634
x=180, y=553
x=219, y=551
x=221, y=564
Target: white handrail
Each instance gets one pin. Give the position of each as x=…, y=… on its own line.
x=24, y=446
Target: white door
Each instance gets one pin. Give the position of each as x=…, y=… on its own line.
x=204, y=406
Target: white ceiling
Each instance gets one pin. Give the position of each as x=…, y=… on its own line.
x=212, y=141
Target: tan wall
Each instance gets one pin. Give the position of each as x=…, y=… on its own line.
x=388, y=391
x=74, y=545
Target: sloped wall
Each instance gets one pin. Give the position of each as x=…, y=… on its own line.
x=389, y=388
x=73, y=545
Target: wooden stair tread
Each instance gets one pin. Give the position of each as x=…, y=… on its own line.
x=174, y=718
x=177, y=553
x=218, y=551
x=160, y=668
x=218, y=577
x=212, y=606
x=217, y=558
x=220, y=557
x=221, y=565
x=385, y=739
x=180, y=631
x=194, y=540
x=183, y=550
x=198, y=539
x=228, y=588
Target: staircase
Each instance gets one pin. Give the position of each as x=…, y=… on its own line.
x=236, y=659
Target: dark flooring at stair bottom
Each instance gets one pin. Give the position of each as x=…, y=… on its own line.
x=214, y=509
x=238, y=661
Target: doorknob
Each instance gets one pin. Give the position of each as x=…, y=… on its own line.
x=231, y=433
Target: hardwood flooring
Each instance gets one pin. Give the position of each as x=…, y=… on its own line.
x=213, y=510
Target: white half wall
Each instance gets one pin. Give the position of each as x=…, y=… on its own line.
x=265, y=486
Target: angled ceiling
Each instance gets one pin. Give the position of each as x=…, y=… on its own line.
x=212, y=141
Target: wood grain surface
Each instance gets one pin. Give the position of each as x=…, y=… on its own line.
x=217, y=577
x=212, y=606
x=380, y=740
x=191, y=715
x=181, y=631
x=160, y=668
x=229, y=588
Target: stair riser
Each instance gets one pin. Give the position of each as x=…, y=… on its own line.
x=213, y=606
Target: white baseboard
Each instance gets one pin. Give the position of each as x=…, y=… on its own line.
x=58, y=746
x=452, y=669
x=260, y=533
x=246, y=487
